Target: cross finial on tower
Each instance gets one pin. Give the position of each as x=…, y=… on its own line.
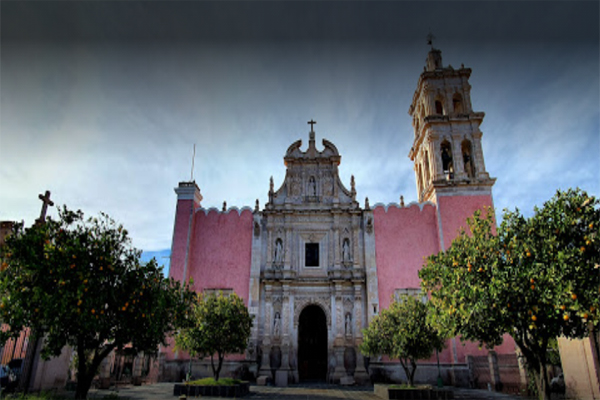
x=311, y=134
x=430, y=38
x=45, y=198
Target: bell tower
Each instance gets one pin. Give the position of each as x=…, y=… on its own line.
x=447, y=153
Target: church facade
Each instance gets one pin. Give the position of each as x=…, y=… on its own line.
x=315, y=265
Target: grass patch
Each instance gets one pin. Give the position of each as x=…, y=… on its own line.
x=38, y=396
x=406, y=386
x=212, y=382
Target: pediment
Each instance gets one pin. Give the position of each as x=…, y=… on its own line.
x=312, y=180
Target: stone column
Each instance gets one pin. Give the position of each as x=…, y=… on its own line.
x=265, y=367
x=477, y=155
x=494, y=371
x=457, y=158
x=136, y=374
x=288, y=248
x=339, y=341
x=335, y=244
x=434, y=153
x=360, y=374
x=104, y=382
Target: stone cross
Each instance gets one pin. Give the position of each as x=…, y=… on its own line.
x=430, y=38
x=45, y=198
x=311, y=123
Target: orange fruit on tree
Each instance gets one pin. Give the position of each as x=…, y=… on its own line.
x=566, y=317
x=574, y=296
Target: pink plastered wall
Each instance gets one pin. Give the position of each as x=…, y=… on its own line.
x=184, y=211
x=403, y=237
x=473, y=349
x=454, y=211
x=220, y=252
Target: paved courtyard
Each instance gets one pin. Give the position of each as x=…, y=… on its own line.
x=164, y=391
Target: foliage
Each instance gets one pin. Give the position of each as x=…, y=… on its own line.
x=44, y=395
x=403, y=332
x=220, y=325
x=79, y=282
x=537, y=279
x=213, y=382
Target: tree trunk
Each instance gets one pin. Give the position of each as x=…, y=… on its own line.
x=412, y=372
x=84, y=382
x=220, y=357
x=212, y=365
x=85, y=371
x=409, y=374
x=542, y=383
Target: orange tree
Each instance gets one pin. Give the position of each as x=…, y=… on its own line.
x=79, y=282
x=402, y=331
x=218, y=325
x=537, y=279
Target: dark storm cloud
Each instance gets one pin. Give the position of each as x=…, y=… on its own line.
x=231, y=21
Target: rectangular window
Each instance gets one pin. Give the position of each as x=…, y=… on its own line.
x=311, y=255
x=217, y=292
x=414, y=292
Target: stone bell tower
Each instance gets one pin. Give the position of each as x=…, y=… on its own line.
x=446, y=151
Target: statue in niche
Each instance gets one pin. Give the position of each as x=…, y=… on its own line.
x=278, y=251
x=277, y=325
x=348, y=324
x=312, y=186
x=468, y=163
x=346, y=254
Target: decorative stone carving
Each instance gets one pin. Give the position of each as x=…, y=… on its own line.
x=278, y=257
x=277, y=325
x=346, y=251
x=302, y=302
x=256, y=229
x=369, y=227
x=348, y=325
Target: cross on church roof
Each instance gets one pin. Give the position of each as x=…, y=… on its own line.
x=430, y=38
x=311, y=123
x=45, y=198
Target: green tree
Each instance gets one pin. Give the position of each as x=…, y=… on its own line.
x=79, y=282
x=402, y=331
x=220, y=325
x=537, y=279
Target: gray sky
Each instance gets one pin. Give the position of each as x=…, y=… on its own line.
x=102, y=102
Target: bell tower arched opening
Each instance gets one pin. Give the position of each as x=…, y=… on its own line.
x=312, y=344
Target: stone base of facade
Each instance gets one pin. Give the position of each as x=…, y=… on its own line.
x=176, y=370
x=391, y=372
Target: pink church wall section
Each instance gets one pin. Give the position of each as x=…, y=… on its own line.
x=454, y=211
x=220, y=254
x=180, y=233
x=403, y=236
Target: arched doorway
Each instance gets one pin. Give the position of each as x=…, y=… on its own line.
x=312, y=344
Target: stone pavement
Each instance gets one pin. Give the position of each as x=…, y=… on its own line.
x=164, y=391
